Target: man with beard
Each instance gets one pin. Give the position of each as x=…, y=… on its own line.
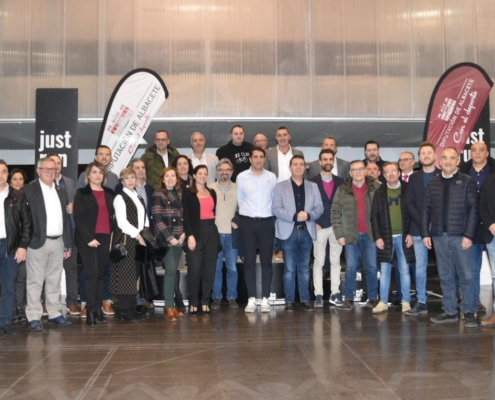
x=415, y=202
x=340, y=167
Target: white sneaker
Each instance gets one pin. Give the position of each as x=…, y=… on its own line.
x=265, y=307
x=251, y=305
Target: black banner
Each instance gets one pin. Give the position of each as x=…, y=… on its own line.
x=56, y=127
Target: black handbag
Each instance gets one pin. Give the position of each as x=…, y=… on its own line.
x=148, y=281
x=155, y=248
x=118, y=251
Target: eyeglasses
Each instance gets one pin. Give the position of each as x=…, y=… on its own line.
x=225, y=170
x=49, y=170
x=357, y=169
x=391, y=172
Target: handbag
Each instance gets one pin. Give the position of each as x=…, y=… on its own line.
x=155, y=247
x=148, y=281
x=118, y=251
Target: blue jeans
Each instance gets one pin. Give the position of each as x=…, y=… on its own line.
x=364, y=249
x=421, y=254
x=477, y=258
x=452, y=259
x=231, y=264
x=402, y=266
x=297, y=251
x=490, y=248
x=8, y=273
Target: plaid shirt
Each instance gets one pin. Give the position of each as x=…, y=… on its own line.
x=167, y=215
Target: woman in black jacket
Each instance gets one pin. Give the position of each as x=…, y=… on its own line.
x=203, y=240
x=93, y=215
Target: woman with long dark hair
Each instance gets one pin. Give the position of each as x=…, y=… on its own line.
x=184, y=169
x=169, y=229
x=131, y=216
x=93, y=215
x=202, y=239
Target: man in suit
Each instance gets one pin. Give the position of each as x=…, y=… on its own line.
x=340, y=167
x=199, y=156
x=327, y=184
x=415, y=202
x=296, y=205
x=50, y=244
x=278, y=157
x=70, y=264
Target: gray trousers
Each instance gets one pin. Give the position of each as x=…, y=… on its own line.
x=44, y=265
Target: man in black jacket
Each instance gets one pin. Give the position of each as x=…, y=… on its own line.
x=450, y=216
x=415, y=201
x=390, y=222
x=15, y=233
x=237, y=151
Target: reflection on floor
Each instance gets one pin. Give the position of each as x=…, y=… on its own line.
x=230, y=355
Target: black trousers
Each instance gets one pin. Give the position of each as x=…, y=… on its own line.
x=201, y=264
x=70, y=267
x=257, y=234
x=95, y=261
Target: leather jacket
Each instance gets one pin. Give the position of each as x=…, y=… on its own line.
x=18, y=223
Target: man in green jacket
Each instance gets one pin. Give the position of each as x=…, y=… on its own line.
x=157, y=157
x=351, y=211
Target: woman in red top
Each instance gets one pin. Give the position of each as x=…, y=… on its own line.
x=203, y=241
x=93, y=215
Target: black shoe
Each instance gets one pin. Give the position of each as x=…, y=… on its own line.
x=217, y=303
x=444, y=318
x=143, y=311
x=91, y=320
x=470, y=320
x=179, y=304
x=137, y=314
x=9, y=330
x=306, y=306
x=100, y=316
x=127, y=315
x=289, y=307
x=396, y=304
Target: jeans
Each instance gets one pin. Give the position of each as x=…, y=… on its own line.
x=297, y=251
x=421, y=253
x=8, y=273
x=477, y=258
x=490, y=248
x=412, y=274
x=452, y=259
x=364, y=249
x=231, y=264
x=324, y=236
x=402, y=266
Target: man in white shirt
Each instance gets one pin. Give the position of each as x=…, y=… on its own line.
x=199, y=156
x=50, y=244
x=278, y=157
x=255, y=188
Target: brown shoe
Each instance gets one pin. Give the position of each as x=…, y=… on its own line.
x=481, y=307
x=278, y=255
x=170, y=314
x=488, y=322
x=178, y=313
x=74, y=309
x=106, y=307
x=149, y=305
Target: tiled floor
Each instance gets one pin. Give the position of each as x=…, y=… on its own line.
x=328, y=354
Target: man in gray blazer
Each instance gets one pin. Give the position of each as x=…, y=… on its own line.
x=278, y=157
x=340, y=167
x=297, y=205
x=70, y=264
x=50, y=244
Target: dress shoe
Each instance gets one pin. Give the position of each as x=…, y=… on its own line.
x=149, y=305
x=206, y=310
x=9, y=330
x=60, y=321
x=106, y=306
x=143, y=310
x=74, y=309
x=91, y=320
x=193, y=311
x=137, y=315
x=35, y=325
x=289, y=307
x=179, y=304
x=307, y=306
x=178, y=313
x=100, y=318
x=488, y=322
x=170, y=314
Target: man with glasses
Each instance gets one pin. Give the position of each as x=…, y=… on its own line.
x=227, y=224
x=159, y=156
x=390, y=221
x=351, y=213
x=261, y=140
x=50, y=244
x=406, y=165
x=372, y=154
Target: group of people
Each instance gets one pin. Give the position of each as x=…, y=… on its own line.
x=249, y=200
